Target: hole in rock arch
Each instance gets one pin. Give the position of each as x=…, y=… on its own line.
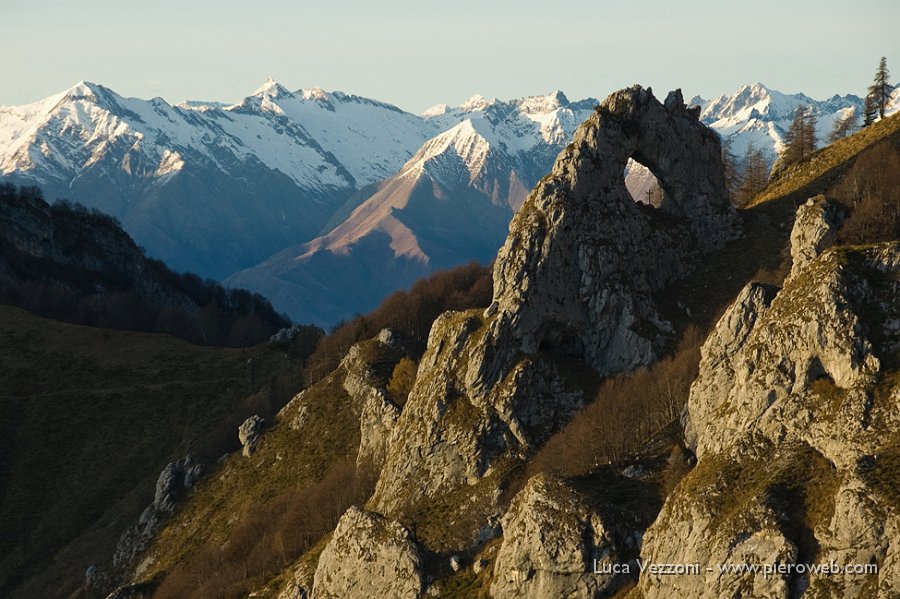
x=642, y=184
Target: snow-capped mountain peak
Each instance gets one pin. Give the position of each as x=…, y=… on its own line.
x=315, y=94
x=476, y=103
x=760, y=115
x=465, y=145
x=271, y=88
x=544, y=104
x=282, y=158
x=82, y=89
x=436, y=110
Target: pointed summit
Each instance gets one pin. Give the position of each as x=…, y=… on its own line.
x=84, y=89
x=558, y=97
x=90, y=92
x=271, y=88
x=315, y=93
x=436, y=110
x=476, y=102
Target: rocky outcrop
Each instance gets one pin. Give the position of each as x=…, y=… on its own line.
x=378, y=414
x=578, y=274
x=175, y=480
x=369, y=556
x=249, y=433
x=793, y=418
x=300, y=584
x=582, y=259
x=553, y=544
x=461, y=439
x=815, y=229
x=761, y=367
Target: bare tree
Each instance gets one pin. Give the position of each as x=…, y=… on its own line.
x=844, y=126
x=755, y=175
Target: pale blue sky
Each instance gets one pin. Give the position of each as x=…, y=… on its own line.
x=415, y=53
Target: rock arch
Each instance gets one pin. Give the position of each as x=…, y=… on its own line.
x=582, y=261
x=579, y=271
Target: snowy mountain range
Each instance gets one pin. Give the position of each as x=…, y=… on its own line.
x=449, y=204
x=759, y=115
x=324, y=201
x=208, y=188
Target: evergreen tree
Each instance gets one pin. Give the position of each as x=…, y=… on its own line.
x=844, y=126
x=870, y=111
x=880, y=90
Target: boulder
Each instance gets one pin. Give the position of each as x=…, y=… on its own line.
x=552, y=542
x=249, y=433
x=369, y=556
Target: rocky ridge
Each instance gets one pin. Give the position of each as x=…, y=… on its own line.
x=485, y=397
x=793, y=419
x=559, y=282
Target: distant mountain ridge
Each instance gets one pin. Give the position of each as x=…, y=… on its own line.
x=67, y=262
x=208, y=188
x=326, y=201
x=449, y=204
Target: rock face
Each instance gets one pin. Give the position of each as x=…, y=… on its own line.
x=450, y=438
x=369, y=556
x=582, y=259
x=577, y=272
x=793, y=419
x=176, y=478
x=378, y=414
x=551, y=540
x=249, y=433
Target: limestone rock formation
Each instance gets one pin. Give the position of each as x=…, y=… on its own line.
x=551, y=543
x=174, y=481
x=369, y=556
x=249, y=433
x=462, y=440
x=378, y=414
x=582, y=258
x=300, y=584
x=793, y=418
x=578, y=274
x=815, y=229
x=176, y=478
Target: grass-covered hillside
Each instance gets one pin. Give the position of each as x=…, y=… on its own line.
x=827, y=167
x=90, y=417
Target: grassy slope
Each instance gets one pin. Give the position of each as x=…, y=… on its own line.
x=117, y=406
x=825, y=167
x=287, y=461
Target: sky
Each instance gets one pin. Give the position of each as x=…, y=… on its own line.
x=416, y=53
